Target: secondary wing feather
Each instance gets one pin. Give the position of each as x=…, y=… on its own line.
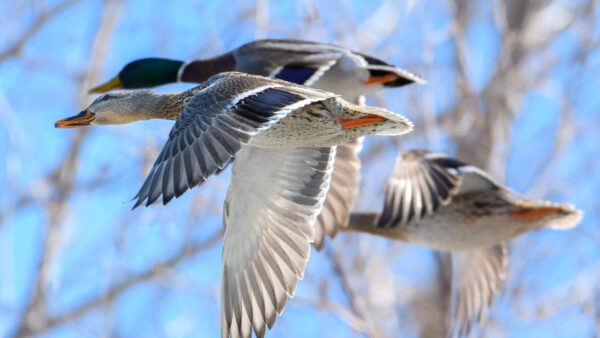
x=272, y=203
x=420, y=183
x=345, y=181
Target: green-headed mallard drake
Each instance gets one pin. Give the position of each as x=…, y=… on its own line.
x=439, y=202
x=324, y=66
x=284, y=139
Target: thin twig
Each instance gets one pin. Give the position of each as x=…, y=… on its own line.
x=22, y=40
x=108, y=296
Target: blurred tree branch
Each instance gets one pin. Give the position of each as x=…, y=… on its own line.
x=158, y=269
x=39, y=22
x=353, y=297
x=35, y=314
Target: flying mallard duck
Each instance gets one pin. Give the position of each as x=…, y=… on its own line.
x=284, y=138
x=444, y=204
x=324, y=66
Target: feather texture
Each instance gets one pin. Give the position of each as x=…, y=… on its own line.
x=269, y=225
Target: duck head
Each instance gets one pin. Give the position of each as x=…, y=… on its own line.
x=116, y=107
x=142, y=73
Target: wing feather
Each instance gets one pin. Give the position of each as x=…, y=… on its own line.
x=418, y=186
x=477, y=277
x=339, y=203
x=268, y=231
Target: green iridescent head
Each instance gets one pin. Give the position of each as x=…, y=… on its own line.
x=142, y=73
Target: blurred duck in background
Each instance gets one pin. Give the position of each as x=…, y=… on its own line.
x=439, y=202
x=283, y=137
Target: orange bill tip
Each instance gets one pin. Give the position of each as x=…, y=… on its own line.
x=84, y=118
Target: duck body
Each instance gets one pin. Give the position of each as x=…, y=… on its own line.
x=478, y=219
x=286, y=115
x=439, y=202
x=444, y=204
x=319, y=65
x=326, y=123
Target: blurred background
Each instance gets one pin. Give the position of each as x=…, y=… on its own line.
x=512, y=87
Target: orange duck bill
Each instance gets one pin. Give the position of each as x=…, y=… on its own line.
x=85, y=118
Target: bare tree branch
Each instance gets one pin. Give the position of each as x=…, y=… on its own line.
x=108, y=296
x=63, y=177
x=22, y=40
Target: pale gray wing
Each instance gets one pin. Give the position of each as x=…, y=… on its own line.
x=477, y=276
x=214, y=125
x=475, y=179
x=271, y=206
x=295, y=61
x=345, y=182
x=304, y=62
x=421, y=182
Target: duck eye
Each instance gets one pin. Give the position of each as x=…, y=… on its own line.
x=104, y=98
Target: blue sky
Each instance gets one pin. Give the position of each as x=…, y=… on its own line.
x=553, y=276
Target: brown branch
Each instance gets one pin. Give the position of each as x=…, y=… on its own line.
x=351, y=294
x=63, y=176
x=158, y=269
x=35, y=312
x=22, y=40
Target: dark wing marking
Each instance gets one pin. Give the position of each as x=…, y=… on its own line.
x=210, y=131
x=295, y=74
x=306, y=72
x=420, y=183
x=299, y=62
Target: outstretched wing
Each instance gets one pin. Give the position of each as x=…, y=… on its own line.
x=214, y=125
x=477, y=276
x=273, y=200
x=421, y=182
x=345, y=181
